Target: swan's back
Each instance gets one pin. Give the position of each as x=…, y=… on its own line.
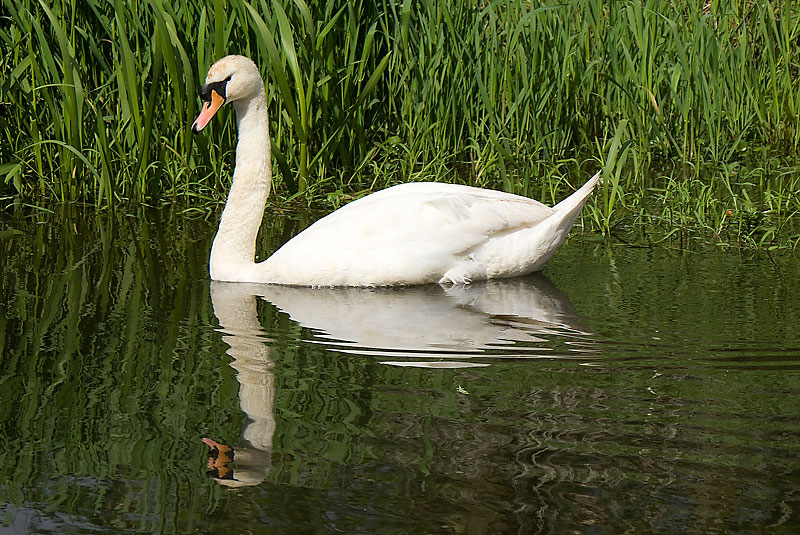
x=408, y=234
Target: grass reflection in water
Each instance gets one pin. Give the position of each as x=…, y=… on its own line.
x=659, y=396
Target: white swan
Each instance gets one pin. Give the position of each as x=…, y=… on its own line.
x=408, y=234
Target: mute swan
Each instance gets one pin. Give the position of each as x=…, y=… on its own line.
x=408, y=234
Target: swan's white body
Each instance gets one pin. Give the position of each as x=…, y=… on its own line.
x=408, y=234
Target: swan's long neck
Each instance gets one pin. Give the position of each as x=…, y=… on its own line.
x=234, y=246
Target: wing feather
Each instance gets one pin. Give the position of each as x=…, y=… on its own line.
x=428, y=227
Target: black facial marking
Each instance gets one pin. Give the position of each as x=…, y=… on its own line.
x=218, y=87
x=217, y=474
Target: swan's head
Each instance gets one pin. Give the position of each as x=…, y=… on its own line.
x=230, y=79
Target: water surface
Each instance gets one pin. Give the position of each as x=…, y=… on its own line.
x=623, y=390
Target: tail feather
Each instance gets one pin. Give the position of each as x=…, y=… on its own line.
x=580, y=195
x=528, y=249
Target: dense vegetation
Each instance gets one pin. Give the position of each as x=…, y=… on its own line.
x=691, y=108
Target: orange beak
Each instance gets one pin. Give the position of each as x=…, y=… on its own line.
x=210, y=107
x=218, y=459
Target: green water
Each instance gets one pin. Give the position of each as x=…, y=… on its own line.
x=625, y=391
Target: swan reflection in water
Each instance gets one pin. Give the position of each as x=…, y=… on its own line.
x=427, y=323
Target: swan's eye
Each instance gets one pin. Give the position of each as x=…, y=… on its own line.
x=218, y=87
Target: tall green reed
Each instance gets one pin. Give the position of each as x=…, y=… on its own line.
x=97, y=96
